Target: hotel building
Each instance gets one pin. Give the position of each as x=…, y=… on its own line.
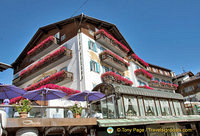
x=84, y=53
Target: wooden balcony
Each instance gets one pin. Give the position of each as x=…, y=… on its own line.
x=113, y=61
x=143, y=74
x=43, y=48
x=110, y=44
x=41, y=68
x=161, y=86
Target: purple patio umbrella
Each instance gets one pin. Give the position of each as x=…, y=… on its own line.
x=44, y=94
x=10, y=91
x=86, y=96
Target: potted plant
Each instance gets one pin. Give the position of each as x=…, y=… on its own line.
x=76, y=109
x=23, y=108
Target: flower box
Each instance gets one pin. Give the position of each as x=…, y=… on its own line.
x=41, y=46
x=111, y=43
x=136, y=58
x=146, y=87
x=143, y=73
x=45, y=61
x=111, y=77
x=114, y=60
x=53, y=79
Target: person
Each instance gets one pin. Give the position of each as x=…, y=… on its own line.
x=7, y=109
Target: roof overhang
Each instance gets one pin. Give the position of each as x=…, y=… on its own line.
x=128, y=90
x=147, y=120
x=4, y=66
x=80, y=18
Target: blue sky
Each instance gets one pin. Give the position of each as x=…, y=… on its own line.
x=161, y=32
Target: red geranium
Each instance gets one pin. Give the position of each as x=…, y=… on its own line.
x=144, y=72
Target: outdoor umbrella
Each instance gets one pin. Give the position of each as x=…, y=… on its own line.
x=10, y=91
x=44, y=94
x=86, y=96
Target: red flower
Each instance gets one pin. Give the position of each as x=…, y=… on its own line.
x=175, y=85
x=16, y=99
x=135, y=57
x=44, y=60
x=163, y=83
x=145, y=86
x=144, y=72
x=117, y=77
x=155, y=81
x=116, y=56
x=102, y=31
x=40, y=45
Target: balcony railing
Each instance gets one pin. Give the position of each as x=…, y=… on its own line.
x=111, y=77
x=111, y=43
x=163, y=85
x=143, y=74
x=53, y=79
x=138, y=59
x=114, y=60
x=43, y=47
x=43, y=65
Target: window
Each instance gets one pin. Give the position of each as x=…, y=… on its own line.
x=141, y=106
x=92, y=46
x=102, y=49
x=156, y=79
x=64, y=68
x=161, y=72
x=57, y=35
x=105, y=69
x=164, y=81
x=137, y=67
x=131, y=107
x=172, y=108
x=91, y=32
x=94, y=66
x=16, y=76
x=166, y=73
x=141, y=83
x=165, y=107
x=150, y=108
x=188, y=89
x=158, y=107
x=177, y=108
x=63, y=37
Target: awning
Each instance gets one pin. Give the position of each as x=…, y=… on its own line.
x=147, y=120
x=122, y=89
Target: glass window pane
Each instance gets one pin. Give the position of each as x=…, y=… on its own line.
x=158, y=107
x=165, y=107
x=120, y=107
x=131, y=107
x=172, y=108
x=177, y=108
x=150, y=108
x=141, y=106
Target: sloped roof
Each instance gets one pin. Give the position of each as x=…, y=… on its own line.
x=146, y=92
x=99, y=23
x=183, y=74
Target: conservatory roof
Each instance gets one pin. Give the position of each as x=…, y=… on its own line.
x=122, y=89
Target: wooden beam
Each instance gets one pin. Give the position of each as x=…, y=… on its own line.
x=100, y=25
x=58, y=26
x=44, y=31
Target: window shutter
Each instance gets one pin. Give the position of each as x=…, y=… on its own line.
x=95, y=47
x=89, y=44
x=91, y=65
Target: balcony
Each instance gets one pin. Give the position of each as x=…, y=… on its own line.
x=48, y=62
x=43, y=48
x=139, y=60
x=113, y=78
x=163, y=85
x=111, y=43
x=61, y=76
x=114, y=60
x=143, y=74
